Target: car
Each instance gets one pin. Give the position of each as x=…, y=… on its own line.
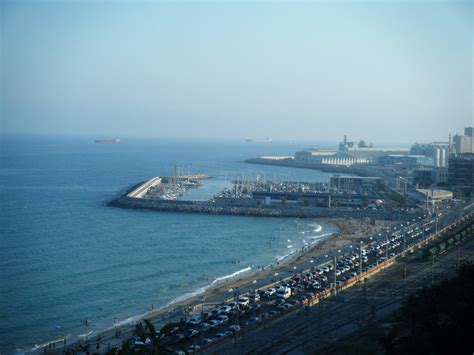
x=272, y=313
x=280, y=308
x=206, y=341
x=193, y=348
x=254, y=320
x=223, y=319
x=243, y=301
x=234, y=328
x=221, y=335
x=194, y=320
x=233, y=305
x=326, y=268
x=214, y=323
x=284, y=293
x=204, y=326
x=270, y=292
x=287, y=306
x=295, y=302
x=324, y=278
x=294, y=290
x=279, y=302
x=321, y=271
x=254, y=298
x=191, y=333
x=224, y=310
x=215, y=311
x=264, y=315
x=255, y=308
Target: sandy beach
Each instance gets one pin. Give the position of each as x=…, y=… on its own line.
x=349, y=232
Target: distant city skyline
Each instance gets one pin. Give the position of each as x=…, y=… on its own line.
x=378, y=71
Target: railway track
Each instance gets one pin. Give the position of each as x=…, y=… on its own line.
x=351, y=310
x=387, y=290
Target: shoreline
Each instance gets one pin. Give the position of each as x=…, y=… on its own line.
x=345, y=233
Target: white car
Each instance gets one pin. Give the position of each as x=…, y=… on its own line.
x=243, y=301
x=284, y=293
x=270, y=292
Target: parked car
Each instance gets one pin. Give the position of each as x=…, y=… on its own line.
x=234, y=328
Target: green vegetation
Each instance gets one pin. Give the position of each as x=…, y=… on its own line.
x=437, y=319
x=150, y=341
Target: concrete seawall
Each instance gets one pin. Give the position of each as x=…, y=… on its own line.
x=261, y=211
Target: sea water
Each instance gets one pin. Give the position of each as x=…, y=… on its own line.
x=65, y=257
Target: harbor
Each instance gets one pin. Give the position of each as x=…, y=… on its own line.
x=355, y=198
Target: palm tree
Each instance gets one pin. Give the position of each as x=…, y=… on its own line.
x=154, y=343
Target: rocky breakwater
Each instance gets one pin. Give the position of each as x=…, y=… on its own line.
x=211, y=207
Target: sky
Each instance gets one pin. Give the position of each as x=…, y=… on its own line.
x=397, y=71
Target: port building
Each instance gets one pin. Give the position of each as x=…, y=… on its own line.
x=461, y=175
x=299, y=199
x=349, y=153
x=437, y=151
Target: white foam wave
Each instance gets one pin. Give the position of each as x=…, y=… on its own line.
x=187, y=295
x=280, y=258
x=222, y=278
x=316, y=227
x=85, y=334
x=317, y=238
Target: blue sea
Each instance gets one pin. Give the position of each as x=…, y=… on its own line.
x=65, y=257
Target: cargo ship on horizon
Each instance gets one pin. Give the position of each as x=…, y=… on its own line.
x=108, y=141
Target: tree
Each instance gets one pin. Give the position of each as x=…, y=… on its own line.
x=436, y=319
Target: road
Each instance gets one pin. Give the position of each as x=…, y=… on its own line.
x=310, y=330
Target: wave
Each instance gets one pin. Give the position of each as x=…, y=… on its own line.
x=318, y=238
x=45, y=344
x=222, y=278
x=187, y=296
x=280, y=258
x=85, y=334
x=317, y=227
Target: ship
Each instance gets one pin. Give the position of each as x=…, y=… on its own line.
x=108, y=141
x=265, y=141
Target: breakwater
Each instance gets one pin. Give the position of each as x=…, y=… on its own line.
x=211, y=207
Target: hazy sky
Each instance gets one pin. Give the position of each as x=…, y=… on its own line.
x=383, y=71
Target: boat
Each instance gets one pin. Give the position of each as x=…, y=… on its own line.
x=266, y=140
x=108, y=141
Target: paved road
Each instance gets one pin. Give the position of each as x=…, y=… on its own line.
x=306, y=332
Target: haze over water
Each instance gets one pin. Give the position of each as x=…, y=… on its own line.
x=65, y=257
